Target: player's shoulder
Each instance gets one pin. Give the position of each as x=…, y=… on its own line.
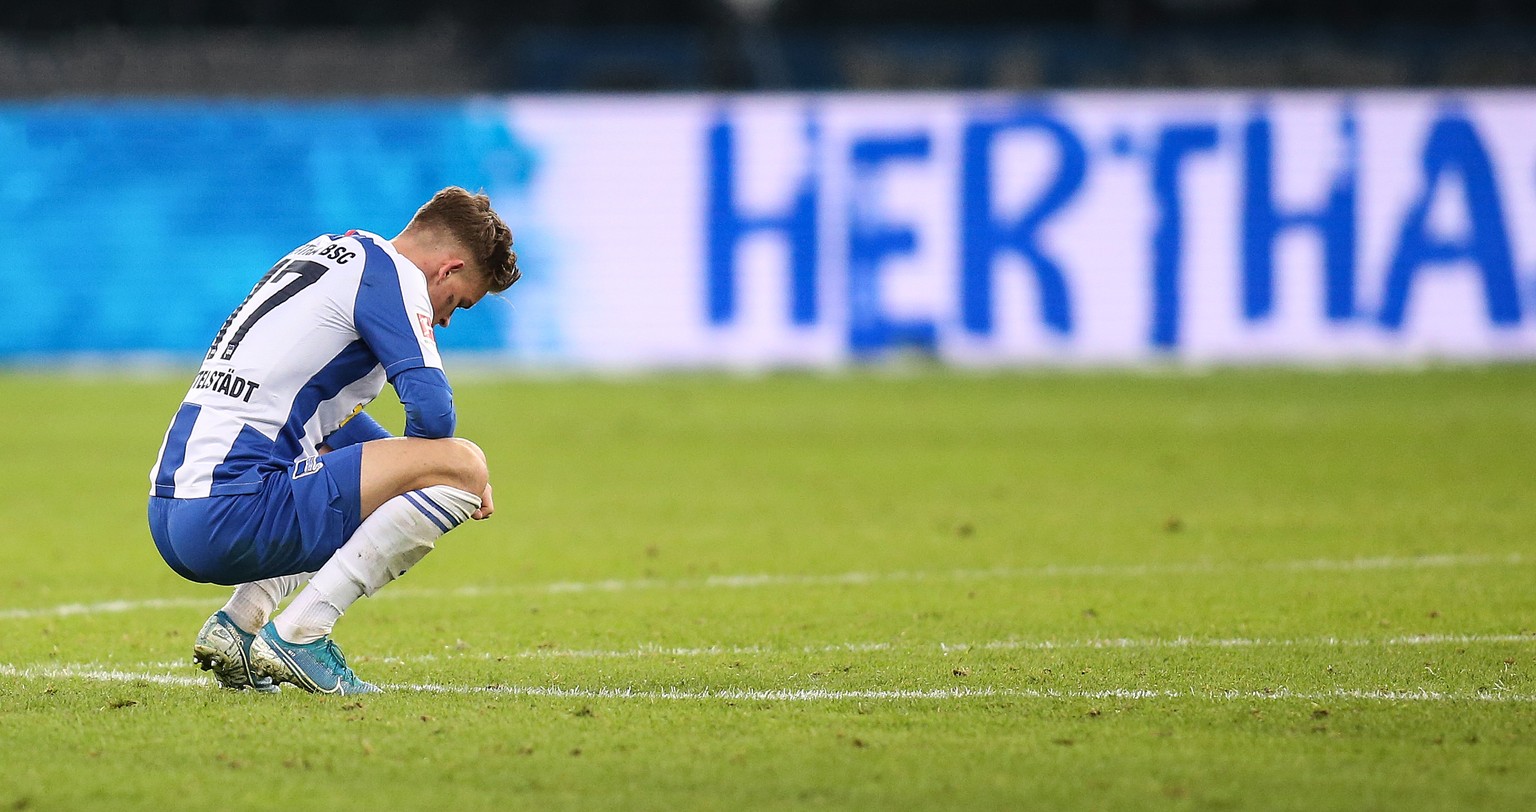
x=384, y=258
x=360, y=248
x=337, y=252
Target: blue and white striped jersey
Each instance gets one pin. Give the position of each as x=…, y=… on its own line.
x=312, y=344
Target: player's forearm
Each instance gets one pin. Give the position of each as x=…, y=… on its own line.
x=359, y=429
x=428, y=402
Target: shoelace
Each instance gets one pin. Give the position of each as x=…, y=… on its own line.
x=335, y=653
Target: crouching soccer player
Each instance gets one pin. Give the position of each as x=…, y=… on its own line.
x=271, y=473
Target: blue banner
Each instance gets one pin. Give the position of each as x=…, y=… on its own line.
x=814, y=230
x=138, y=226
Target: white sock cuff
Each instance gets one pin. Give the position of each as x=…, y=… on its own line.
x=253, y=603
x=447, y=506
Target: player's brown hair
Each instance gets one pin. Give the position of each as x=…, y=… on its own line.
x=467, y=218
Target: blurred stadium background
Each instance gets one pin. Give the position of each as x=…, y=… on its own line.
x=287, y=48
x=796, y=182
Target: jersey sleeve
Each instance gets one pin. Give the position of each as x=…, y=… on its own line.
x=428, y=402
x=359, y=428
x=393, y=314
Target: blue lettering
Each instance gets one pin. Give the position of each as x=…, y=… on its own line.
x=1175, y=144
x=1454, y=148
x=1334, y=221
x=728, y=226
x=871, y=241
x=982, y=236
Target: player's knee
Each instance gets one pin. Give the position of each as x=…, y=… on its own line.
x=467, y=464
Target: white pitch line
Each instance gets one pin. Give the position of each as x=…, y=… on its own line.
x=651, y=650
x=1102, y=644
x=816, y=694
x=107, y=607
x=93, y=674
x=823, y=695
x=1049, y=571
x=838, y=579
x=1243, y=642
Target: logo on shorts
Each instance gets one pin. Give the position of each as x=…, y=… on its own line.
x=305, y=467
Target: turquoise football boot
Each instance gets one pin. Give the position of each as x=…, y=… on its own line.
x=317, y=667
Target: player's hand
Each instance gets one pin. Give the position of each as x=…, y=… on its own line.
x=487, y=507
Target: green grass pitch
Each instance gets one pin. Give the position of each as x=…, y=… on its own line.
x=1239, y=590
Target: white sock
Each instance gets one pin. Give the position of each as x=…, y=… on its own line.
x=389, y=542
x=253, y=603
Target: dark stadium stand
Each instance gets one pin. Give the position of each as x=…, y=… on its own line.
x=349, y=47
